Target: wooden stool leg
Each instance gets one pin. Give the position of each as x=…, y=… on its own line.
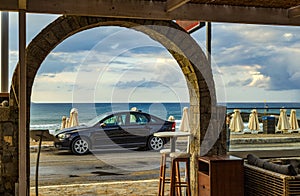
x=162, y=175
x=187, y=171
x=178, y=179
x=176, y=182
x=173, y=178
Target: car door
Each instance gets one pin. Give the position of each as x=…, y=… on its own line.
x=111, y=132
x=137, y=128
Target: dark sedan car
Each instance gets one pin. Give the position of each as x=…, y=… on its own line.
x=126, y=129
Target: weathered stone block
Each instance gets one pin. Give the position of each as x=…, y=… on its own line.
x=51, y=37
x=4, y=114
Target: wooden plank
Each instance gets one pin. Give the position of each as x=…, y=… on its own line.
x=9, y=5
x=156, y=10
x=174, y=4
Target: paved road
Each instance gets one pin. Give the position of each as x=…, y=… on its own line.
x=62, y=167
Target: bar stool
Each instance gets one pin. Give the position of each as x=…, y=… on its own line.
x=175, y=181
x=176, y=158
x=165, y=153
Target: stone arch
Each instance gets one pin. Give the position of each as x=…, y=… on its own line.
x=181, y=46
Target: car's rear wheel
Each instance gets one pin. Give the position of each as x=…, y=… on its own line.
x=80, y=146
x=155, y=143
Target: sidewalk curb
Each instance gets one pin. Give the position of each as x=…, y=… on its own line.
x=233, y=141
x=264, y=140
x=44, y=148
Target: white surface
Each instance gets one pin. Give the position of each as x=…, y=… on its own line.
x=171, y=134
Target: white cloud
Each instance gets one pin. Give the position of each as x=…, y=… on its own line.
x=288, y=36
x=53, y=87
x=255, y=62
x=100, y=76
x=259, y=80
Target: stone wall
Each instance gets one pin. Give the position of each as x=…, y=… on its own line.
x=8, y=150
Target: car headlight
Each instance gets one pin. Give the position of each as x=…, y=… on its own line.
x=64, y=136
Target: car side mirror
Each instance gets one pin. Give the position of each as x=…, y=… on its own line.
x=102, y=125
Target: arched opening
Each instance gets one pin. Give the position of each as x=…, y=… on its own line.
x=189, y=56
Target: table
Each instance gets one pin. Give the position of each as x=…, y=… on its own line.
x=173, y=136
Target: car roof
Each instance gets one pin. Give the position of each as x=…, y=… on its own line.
x=125, y=111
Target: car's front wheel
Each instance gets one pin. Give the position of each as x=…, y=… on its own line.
x=80, y=146
x=155, y=143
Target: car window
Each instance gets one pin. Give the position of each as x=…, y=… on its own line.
x=138, y=119
x=111, y=121
x=121, y=119
x=132, y=119
x=115, y=120
x=95, y=120
x=153, y=120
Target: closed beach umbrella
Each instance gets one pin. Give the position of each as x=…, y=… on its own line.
x=67, y=122
x=184, y=125
x=73, y=118
x=236, y=123
x=63, y=122
x=253, y=121
x=283, y=122
x=293, y=120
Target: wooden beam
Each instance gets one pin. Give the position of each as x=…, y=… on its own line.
x=8, y=5
x=23, y=183
x=22, y=4
x=294, y=12
x=4, y=52
x=156, y=10
x=174, y=4
x=208, y=42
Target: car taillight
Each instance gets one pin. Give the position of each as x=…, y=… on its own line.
x=173, y=126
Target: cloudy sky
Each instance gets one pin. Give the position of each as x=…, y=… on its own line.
x=251, y=63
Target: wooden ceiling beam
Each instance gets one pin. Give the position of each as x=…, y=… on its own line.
x=174, y=4
x=22, y=4
x=294, y=12
x=156, y=10
x=9, y=5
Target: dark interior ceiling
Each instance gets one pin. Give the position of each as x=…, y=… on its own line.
x=274, y=12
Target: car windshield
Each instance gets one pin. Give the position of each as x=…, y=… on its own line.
x=96, y=120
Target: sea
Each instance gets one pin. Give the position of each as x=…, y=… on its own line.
x=49, y=115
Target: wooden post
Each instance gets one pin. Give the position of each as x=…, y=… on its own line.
x=208, y=41
x=4, y=52
x=23, y=184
